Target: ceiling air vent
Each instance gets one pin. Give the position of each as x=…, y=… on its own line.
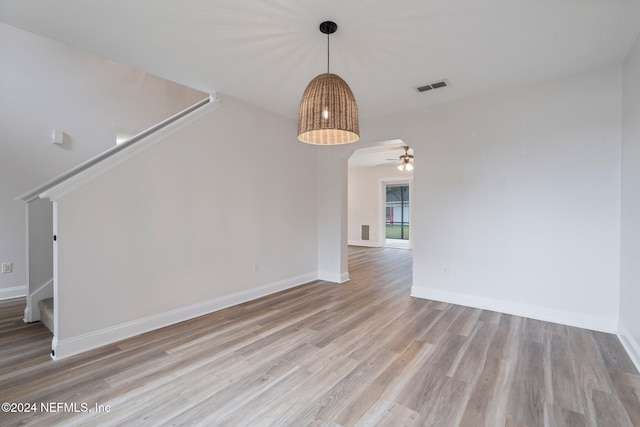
x=436, y=85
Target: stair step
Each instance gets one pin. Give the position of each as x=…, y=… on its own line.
x=46, y=312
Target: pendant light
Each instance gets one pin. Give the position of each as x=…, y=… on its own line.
x=328, y=113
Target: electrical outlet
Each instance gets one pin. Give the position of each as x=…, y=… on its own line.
x=256, y=268
x=7, y=267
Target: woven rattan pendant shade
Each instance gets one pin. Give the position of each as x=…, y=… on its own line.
x=328, y=112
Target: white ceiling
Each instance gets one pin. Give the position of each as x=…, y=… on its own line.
x=388, y=152
x=265, y=52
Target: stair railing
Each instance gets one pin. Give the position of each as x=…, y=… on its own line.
x=35, y=193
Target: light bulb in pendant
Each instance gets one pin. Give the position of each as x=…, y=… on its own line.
x=325, y=113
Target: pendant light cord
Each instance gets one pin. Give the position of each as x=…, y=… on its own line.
x=328, y=53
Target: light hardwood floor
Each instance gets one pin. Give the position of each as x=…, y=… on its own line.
x=360, y=353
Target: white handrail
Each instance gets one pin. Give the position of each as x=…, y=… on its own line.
x=35, y=193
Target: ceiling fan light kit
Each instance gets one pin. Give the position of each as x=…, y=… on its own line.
x=405, y=167
x=406, y=161
x=328, y=113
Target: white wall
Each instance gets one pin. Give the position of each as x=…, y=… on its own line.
x=178, y=228
x=40, y=225
x=333, y=263
x=365, y=201
x=630, y=227
x=518, y=196
x=46, y=85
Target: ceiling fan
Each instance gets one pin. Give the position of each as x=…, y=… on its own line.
x=406, y=160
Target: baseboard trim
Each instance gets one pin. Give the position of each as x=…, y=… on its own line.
x=579, y=320
x=32, y=311
x=63, y=348
x=14, y=292
x=630, y=344
x=365, y=243
x=334, y=278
